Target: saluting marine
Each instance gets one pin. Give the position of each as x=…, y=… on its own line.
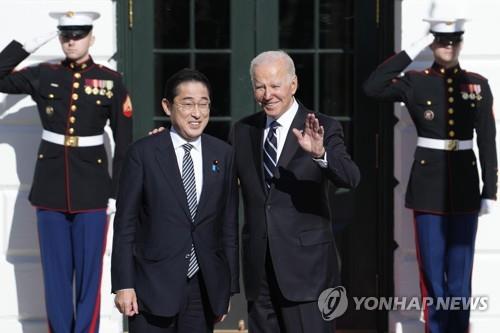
x=446, y=104
x=72, y=188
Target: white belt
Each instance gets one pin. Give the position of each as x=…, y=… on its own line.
x=71, y=140
x=444, y=144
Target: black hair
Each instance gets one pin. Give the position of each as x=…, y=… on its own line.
x=184, y=75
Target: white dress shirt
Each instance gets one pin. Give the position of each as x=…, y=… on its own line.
x=196, y=156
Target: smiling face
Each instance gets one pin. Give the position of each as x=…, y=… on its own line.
x=77, y=49
x=274, y=87
x=190, y=110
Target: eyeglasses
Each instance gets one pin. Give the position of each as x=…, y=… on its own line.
x=189, y=107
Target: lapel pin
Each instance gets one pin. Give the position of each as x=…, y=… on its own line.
x=215, y=166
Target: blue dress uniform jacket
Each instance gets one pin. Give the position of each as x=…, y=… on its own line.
x=73, y=100
x=445, y=104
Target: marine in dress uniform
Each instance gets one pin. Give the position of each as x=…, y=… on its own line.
x=71, y=187
x=446, y=104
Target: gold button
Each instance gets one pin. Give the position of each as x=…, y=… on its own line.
x=473, y=105
x=51, y=95
x=71, y=130
x=77, y=75
x=450, y=89
x=442, y=70
x=76, y=85
x=429, y=103
x=455, y=70
x=451, y=122
x=99, y=161
x=449, y=80
x=84, y=66
x=74, y=96
x=72, y=119
x=98, y=102
x=451, y=134
x=451, y=111
x=423, y=162
x=40, y=156
x=73, y=108
x=426, y=71
x=72, y=65
x=451, y=99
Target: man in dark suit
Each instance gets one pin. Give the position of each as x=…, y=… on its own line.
x=286, y=156
x=175, y=247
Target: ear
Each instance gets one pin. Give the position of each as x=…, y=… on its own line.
x=294, y=84
x=165, y=104
x=92, y=40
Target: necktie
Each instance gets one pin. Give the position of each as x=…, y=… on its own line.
x=189, y=183
x=270, y=157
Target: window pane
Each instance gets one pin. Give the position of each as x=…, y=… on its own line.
x=216, y=68
x=165, y=66
x=219, y=129
x=335, y=23
x=171, y=24
x=296, y=24
x=335, y=76
x=212, y=24
x=304, y=68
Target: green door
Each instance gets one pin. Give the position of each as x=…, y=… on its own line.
x=334, y=46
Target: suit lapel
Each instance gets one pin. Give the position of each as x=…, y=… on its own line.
x=256, y=141
x=165, y=156
x=291, y=144
x=208, y=158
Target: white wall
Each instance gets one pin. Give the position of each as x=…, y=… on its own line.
x=22, y=308
x=480, y=54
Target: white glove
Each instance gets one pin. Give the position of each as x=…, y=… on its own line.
x=415, y=48
x=111, y=206
x=486, y=206
x=35, y=43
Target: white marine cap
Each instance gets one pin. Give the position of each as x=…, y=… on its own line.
x=446, y=25
x=447, y=16
x=74, y=19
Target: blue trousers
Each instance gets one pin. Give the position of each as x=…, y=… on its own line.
x=445, y=253
x=71, y=249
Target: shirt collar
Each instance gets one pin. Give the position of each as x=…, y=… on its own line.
x=285, y=120
x=446, y=71
x=77, y=67
x=178, y=141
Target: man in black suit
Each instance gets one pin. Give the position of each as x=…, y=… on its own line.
x=286, y=156
x=175, y=247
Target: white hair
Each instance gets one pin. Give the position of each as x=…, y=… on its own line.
x=270, y=57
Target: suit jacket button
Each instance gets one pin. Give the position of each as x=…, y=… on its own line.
x=423, y=162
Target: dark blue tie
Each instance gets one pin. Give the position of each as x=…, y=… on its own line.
x=270, y=157
x=189, y=182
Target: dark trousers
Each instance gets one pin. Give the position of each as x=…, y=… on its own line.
x=445, y=253
x=195, y=314
x=272, y=313
x=72, y=246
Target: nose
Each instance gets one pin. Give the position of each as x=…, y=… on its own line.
x=267, y=94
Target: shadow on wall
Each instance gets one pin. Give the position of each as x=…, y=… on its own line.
x=21, y=131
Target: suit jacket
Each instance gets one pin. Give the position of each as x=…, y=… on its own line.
x=446, y=104
x=74, y=100
x=153, y=231
x=294, y=217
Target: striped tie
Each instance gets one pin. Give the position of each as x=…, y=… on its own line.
x=270, y=153
x=189, y=183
